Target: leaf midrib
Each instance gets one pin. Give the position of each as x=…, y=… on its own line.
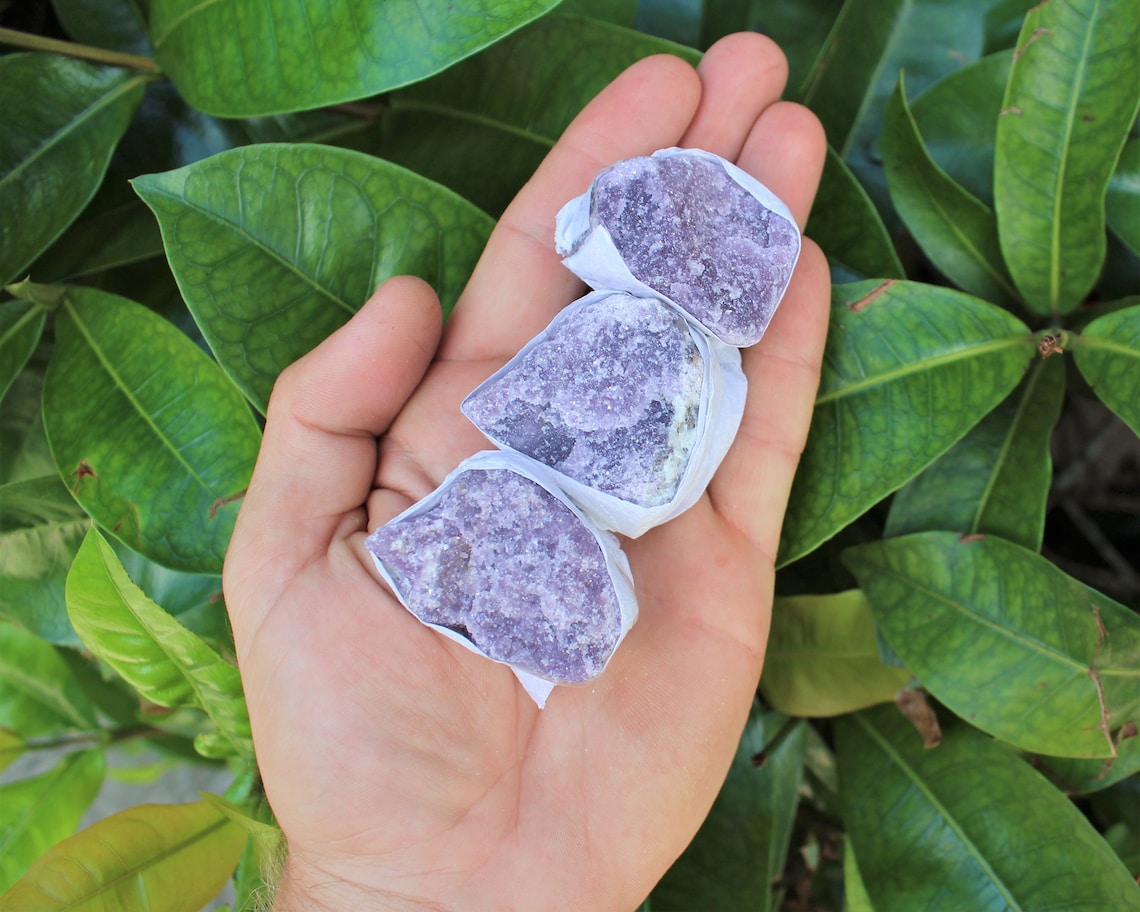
x=1062, y=164
x=130, y=397
x=919, y=783
x=109, y=886
x=918, y=367
x=59, y=135
x=253, y=241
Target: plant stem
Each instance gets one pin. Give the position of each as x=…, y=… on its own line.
x=82, y=51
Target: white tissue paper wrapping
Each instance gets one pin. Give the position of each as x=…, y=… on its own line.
x=617, y=563
x=591, y=255
x=721, y=408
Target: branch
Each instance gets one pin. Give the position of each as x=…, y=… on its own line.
x=82, y=51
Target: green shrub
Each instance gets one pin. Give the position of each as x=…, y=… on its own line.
x=981, y=212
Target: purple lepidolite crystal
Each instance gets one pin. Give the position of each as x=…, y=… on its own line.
x=691, y=233
x=609, y=395
x=505, y=563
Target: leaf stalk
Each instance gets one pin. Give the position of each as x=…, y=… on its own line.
x=31, y=42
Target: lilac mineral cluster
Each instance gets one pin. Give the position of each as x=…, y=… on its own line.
x=615, y=417
x=504, y=563
x=694, y=235
x=609, y=396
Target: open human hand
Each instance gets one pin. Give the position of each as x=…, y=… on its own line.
x=409, y=773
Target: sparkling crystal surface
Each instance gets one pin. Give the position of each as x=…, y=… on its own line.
x=505, y=563
x=691, y=233
x=610, y=397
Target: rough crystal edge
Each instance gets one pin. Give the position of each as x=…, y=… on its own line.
x=721, y=410
x=621, y=576
x=590, y=253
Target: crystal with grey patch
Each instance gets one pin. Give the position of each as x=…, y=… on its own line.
x=694, y=235
x=507, y=564
x=609, y=396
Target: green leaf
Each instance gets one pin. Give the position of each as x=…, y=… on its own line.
x=674, y=20
x=1076, y=776
x=966, y=825
x=823, y=658
x=858, y=65
x=1107, y=353
x=995, y=480
x=1122, y=204
x=846, y=225
x=38, y=693
x=157, y=444
x=742, y=845
x=62, y=119
x=41, y=527
x=21, y=325
x=161, y=659
x=243, y=58
x=907, y=371
x=119, y=25
x=955, y=230
x=37, y=813
x=1072, y=96
x=1006, y=639
x=275, y=246
x=619, y=12
x=481, y=130
x=957, y=117
x=162, y=858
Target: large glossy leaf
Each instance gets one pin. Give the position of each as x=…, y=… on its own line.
x=740, y=849
x=967, y=825
x=244, y=58
x=1108, y=354
x=857, y=69
x=1072, y=96
x=161, y=858
x=854, y=890
x=1006, y=639
x=156, y=443
x=41, y=527
x=37, y=813
x=823, y=657
x=481, y=130
x=21, y=324
x=275, y=246
x=846, y=225
x=1122, y=204
x=62, y=119
x=995, y=480
x=161, y=659
x=38, y=693
x=957, y=117
x=955, y=230
x=908, y=370
x=674, y=20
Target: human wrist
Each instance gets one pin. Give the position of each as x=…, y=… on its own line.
x=307, y=888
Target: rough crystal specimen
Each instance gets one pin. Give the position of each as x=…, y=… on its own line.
x=609, y=396
x=691, y=233
x=508, y=565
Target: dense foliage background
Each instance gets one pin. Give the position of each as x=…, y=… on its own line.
x=214, y=187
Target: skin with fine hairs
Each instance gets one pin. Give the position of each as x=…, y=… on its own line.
x=408, y=773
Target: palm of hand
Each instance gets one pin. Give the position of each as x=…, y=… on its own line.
x=403, y=768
